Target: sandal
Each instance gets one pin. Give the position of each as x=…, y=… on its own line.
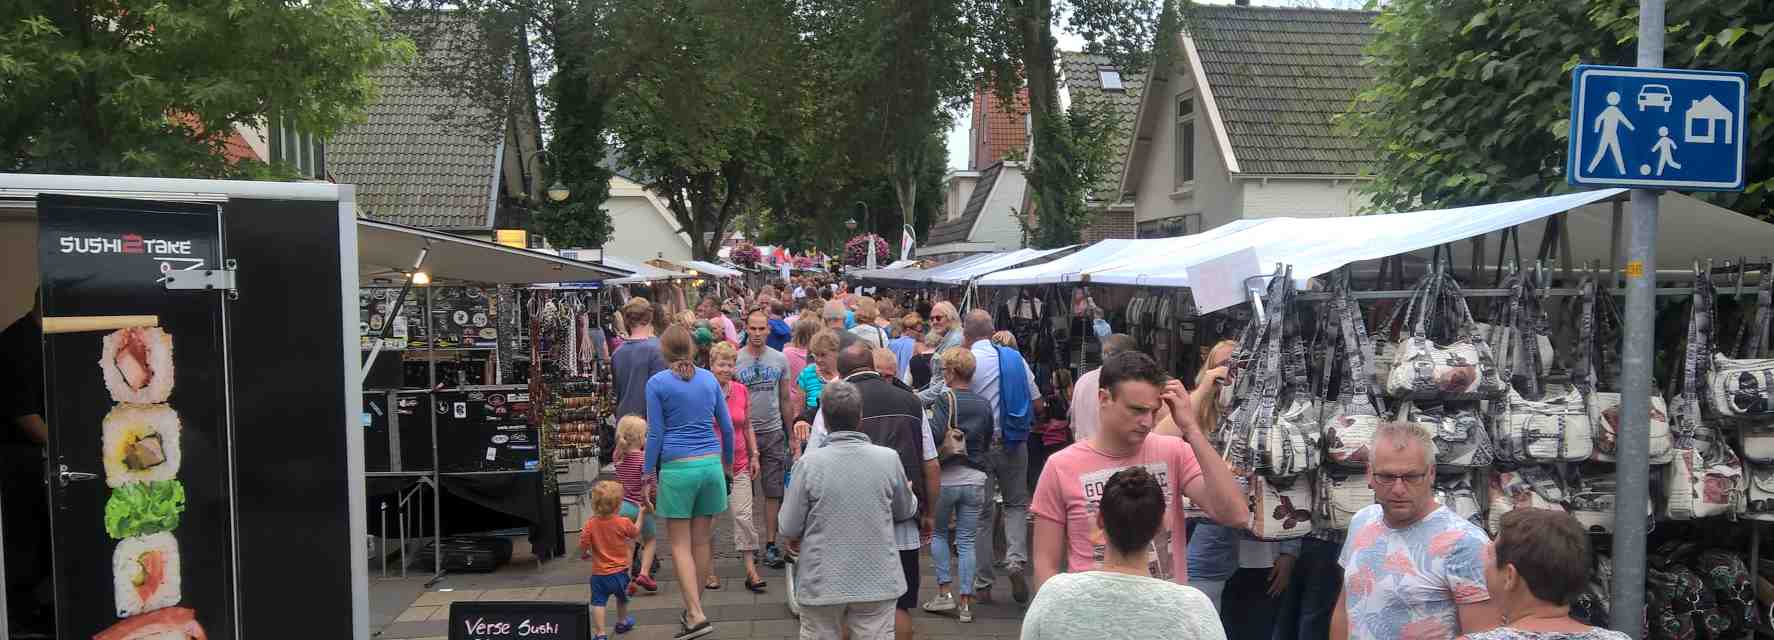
x=756, y=587
x=687, y=632
x=712, y=585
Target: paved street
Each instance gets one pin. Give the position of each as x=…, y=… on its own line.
x=403, y=609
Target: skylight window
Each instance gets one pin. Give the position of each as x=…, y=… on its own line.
x=1111, y=79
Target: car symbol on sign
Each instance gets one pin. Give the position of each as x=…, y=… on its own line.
x=1654, y=95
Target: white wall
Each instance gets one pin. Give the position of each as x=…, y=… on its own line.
x=997, y=221
x=638, y=232
x=1302, y=198
x=960, y=188
x=1213, y=195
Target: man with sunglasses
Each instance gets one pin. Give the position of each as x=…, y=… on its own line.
x=946, y=320
x=1411, y=567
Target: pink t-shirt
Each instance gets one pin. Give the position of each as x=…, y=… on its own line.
x=738, y=406
x=1072, y=485
x=797, y=358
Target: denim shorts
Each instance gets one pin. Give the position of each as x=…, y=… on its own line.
x=602, y=587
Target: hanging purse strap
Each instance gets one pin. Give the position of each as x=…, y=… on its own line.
x=1583, y=374
x=1693, y=365
x=1753, y=345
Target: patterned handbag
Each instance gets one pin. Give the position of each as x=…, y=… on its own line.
x=1268, y=430
x=1759, y=492
x=1520, y=339
x=1528, y=487
x=1706, y=478
x=1341, y=494
x=1457, y=492
x=1744, y=388
x=1551, y=430
x=1592, y=502
x=1591, y=606
x=1349, y=431
x=1596, y=364
x=1458, y=370
x=1280, y=508
x=1461, y=439
x=1728, y=577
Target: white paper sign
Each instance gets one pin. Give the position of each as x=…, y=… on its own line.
x=1220, y=282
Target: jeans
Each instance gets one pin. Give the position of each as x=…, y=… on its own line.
x=963, y=504
x=1213, y=552
x=1008, y=472
x=1311, y=595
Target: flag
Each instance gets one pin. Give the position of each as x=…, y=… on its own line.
x=906, y=240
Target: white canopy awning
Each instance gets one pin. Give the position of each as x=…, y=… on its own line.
x=964, y=274
x=712, y=269
x=642, y=272
x=1688, y=230
x=386, y=248
x=922, y=275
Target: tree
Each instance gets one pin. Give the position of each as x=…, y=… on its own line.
x=1472, y=98
x=140, y=87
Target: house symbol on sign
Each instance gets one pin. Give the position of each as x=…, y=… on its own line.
x=1704, y=118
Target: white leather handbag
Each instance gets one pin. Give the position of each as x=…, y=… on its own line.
x=1461, y=439
x=1698, y=488
x=1280, y=508
x=1524, y=488
x=1457, y=493
x=1594, y=346
x=1458, y=370
x=1592, y=502
x=1604, y=420
x=1551, y=430
x=1341, y=495
x=1348, y=431
x=1759, y=493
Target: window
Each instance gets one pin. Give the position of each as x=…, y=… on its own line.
x=1111, y=79
x=1185, y=142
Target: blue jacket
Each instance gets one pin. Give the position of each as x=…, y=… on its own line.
x=1016, y=400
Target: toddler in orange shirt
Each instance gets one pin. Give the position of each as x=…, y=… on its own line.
x=605, y=540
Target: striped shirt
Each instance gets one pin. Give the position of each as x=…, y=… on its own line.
x=629, y=473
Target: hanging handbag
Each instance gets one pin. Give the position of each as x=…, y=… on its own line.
x=1528, y=487
x=1759, y=494
x=954, y=440
x=1461, y=439
x=1267, y=430
x=1727, y=576
x=1551, y=430
x=1461, y=369
x=1590, y=370
x=1744, y=388
x=1349, y=432
x=1458, y=494
x=1592, y=502
x=1280, y=508
x=1520, y=338
x=1706, y=478
x=1341, y=494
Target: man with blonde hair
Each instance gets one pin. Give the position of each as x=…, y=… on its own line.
x=1411, y=567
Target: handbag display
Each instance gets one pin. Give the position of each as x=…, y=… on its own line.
x=1529, y=487
x=1589, y=372
x=1551, y=430
x=1348, y=433
x=1461, y=439
x=1458, y=493
x=1706, y=478
x=1280, y=508
x=1340, y=496
x=1267, y=430
x=1461, y=369
x=1744, y=388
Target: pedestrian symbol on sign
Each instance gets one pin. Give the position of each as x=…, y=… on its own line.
x=1608, y=124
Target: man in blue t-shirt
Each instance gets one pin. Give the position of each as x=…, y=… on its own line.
x=637, y=359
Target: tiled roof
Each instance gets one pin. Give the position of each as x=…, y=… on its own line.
x=1084, y=83
x=958, y=229
x=1003, y=129
x=1279, y=76
x=410, y=167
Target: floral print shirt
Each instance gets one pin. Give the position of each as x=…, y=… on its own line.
x=1406, y=583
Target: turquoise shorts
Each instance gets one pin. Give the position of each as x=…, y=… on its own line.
x=630, y=510
x=692, y=488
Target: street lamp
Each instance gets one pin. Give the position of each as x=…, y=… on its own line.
x=557, y=192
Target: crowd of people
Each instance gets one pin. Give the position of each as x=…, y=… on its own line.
x=876, y=429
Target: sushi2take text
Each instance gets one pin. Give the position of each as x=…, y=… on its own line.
x=480, y=627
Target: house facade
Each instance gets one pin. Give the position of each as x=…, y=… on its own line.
x=980, y=204
x=1242, y=125
x=642, y=225
x=1095, y=81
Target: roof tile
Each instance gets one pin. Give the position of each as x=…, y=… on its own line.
x=1080, y=72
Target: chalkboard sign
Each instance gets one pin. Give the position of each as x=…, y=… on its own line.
x=500, y=620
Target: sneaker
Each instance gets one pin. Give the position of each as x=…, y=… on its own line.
x=647, y=583
x=964, y=613
x=1019, y=586
x=941, y=603
x=772, y=556
x=625, y=626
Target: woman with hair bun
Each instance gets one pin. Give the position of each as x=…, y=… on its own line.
x=1123, y=600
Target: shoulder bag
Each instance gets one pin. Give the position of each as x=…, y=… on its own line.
x=1528, y=487
x=1743, y=389
x=1458, y=428
x=1341, y=494
x=1706, y=478
x=1349, y=432
x=1592, y=502
x=1458, y=493
x=954, y=440
x=1280, y=508
x=1266, y=432
x=1598, y=322
x=1550, y=430
x=1458, y=370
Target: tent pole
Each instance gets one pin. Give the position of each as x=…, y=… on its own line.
x=1635, y=388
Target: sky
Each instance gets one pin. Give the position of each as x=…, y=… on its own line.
x=958, y=135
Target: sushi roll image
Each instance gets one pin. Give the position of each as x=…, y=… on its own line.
x=141, y=444
x=176, y=623
x=137, y=363
x=145, y=574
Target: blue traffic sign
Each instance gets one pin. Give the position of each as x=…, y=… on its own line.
x=1657, y=128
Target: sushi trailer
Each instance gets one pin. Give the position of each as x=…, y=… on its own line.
x=203, y=363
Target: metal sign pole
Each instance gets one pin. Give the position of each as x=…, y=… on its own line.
x=1633, y=456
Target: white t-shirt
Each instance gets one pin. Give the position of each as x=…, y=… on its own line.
x=1086, y=604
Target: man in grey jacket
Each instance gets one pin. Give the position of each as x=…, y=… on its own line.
x=838, y=515
x=945, y=319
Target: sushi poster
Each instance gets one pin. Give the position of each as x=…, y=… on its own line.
x=143, y=526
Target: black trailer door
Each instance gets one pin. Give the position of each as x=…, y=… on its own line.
x=138, y=410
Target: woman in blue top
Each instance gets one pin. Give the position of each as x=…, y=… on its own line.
x=685, y=407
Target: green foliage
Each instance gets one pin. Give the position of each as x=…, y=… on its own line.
x=147, y=87
x=1072, y=154
x=578, y=117
x=1472, y=101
